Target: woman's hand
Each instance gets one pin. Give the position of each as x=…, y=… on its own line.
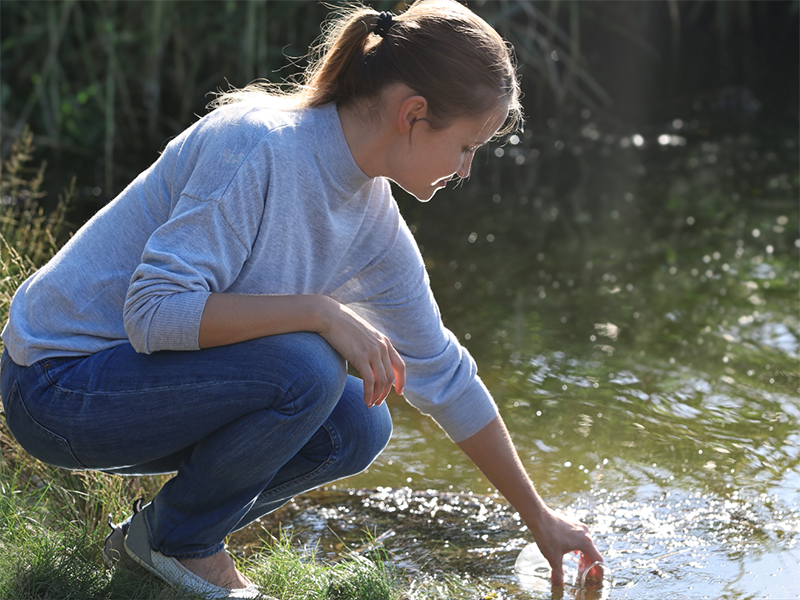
x=230, y=318
x=493, y=453
x=556, y=535
x=369, y=351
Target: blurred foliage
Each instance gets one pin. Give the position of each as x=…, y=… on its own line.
x=103, y=84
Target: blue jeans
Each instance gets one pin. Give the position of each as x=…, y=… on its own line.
x=246, y=427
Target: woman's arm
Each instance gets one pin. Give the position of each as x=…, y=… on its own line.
x=493, y=453
x=232, y=318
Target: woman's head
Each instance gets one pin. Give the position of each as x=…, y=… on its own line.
x=438, y=48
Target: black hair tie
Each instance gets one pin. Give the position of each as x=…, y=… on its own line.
x=384, y=24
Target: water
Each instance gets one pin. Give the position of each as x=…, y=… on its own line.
x=634, y=310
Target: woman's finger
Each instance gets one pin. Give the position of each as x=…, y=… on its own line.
x=368, y=379
x=399, y=369
x=591, y=553
x=557, y=571
x=379, y=374
x=388, y=370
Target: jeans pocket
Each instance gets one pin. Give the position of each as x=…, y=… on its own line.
x=38, y=441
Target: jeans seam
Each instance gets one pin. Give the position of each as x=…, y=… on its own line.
x=6, y=358
x=187, y=386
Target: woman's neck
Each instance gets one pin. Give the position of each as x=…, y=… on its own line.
x=377, y=132
x=364, y=135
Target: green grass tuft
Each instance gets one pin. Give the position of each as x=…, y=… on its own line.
x=295, y=574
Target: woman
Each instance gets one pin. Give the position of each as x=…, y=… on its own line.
x=202, y=321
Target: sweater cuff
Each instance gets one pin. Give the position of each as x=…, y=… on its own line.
x=470, y=413
x=176, y=323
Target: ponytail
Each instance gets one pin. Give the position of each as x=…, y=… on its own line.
x=339, y=71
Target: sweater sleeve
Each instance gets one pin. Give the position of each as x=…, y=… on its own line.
x=200, y=249
x=441, y=377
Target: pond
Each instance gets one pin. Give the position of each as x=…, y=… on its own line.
x=631, y=299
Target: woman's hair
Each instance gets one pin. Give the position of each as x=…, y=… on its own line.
x=438, y=48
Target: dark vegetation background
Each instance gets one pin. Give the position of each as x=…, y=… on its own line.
x=103, y=84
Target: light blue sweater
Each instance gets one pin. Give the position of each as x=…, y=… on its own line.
x=251, y=200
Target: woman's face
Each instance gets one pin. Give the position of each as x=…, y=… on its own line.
x=435, y=156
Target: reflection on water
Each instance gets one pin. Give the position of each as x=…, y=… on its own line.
x=633, y=307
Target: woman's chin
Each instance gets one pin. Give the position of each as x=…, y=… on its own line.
x=439, y=185
x=423, y=196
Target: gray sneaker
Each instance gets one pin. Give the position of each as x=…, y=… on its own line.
x=137, y=546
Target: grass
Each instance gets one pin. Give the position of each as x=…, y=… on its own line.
x=53, y=521
x=48, y=549
x=52, y=529
x=44, y=554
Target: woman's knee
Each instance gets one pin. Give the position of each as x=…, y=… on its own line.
x=362, y=432
x=311, y=364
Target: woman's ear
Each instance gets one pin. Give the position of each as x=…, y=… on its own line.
x=412, y=109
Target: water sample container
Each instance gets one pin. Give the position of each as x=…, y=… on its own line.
x=531, y=563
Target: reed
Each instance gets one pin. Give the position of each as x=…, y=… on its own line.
x=549, y=53
x=91, y=78
x=29, y=235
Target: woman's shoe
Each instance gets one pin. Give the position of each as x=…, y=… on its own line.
x=137, y=546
